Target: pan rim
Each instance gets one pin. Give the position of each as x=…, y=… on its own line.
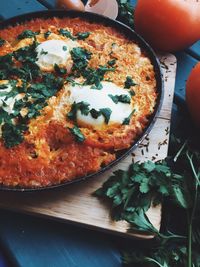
x=133, y=36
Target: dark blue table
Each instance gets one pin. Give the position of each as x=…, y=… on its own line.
x=34, y=242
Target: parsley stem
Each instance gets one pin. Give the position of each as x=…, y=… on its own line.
x=190, y=220
x=180, y=151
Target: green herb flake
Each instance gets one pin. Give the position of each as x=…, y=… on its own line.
x=120, y=98
x=64, y=48
x=67, y=34
x=43, y=52
x=12, y=134
x=95, y=113
x=80, y=57
x=47, y=34
x=27, y=34
x=112, y=62
x=128, y=119
x=59, y=70
x=106, y=112
x=95, y=76
x=79, y=137
x=82, y=35
x=129, y=82
x=82, y=106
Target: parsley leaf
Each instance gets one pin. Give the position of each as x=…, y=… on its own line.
x=59, y=70
x=27, y=34
x=126, y=12
x=82, y=106
x=67, y=34
x=80, y=57
x=95, y=113
x=79, y=137
x=13, y=134
x=82, y=35
x=112, y=62
x=129, y=82
x=47, y=34
x=120, y=98
x=106, y=112
x=95, y=76
x=128, y=119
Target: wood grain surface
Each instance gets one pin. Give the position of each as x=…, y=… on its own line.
x=75, y=203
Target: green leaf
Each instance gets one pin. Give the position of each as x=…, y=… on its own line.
x=47, y=34
x=79, y=137
x=82, y=106
x=13, y=134
x=59, y=70
x=106, y=112
x=128, y=119
x=27, y=34
x=80, y=57
x=141, y=221
x=179, y=196
x=112, y=62
x=95, y=113
x=82, y=35
x=129, y=82
x=120, y=98
x=67, y=34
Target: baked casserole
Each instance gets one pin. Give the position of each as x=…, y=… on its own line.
x=72, y=94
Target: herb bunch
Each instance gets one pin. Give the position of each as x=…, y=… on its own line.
x=126, y=12
x=175, y=181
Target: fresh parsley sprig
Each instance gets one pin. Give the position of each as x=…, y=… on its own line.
x=175, y=180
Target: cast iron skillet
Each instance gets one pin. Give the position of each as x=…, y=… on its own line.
x=133, y=36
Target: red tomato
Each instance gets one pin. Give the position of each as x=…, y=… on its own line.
x=193, y=94
x=70, y=4
x=168, y=25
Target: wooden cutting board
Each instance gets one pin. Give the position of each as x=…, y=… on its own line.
x=75, y=203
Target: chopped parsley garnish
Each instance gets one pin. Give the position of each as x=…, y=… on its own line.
x=106, y=112
x=79, y=137
x=95, y=113
x=2, y=42
x=59, y=70
x=27, y=34
x=13, y=134
x=78, y=36
x=95, y=76
x=120, y=98
x=82, y=106
x=80, y=57
x=43, y=52
x=72, y=81
x=129, y=82
x=64, y=48
x=46, y=34
x=67, y=34
x=131, y=92
x=112, y=62
x=127, y=120
x=82, y=35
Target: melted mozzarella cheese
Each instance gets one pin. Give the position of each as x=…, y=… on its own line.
x=7, y=103
x=99, y=99
x=53, y=52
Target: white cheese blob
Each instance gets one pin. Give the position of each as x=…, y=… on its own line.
x=99, y=99
x=7, y=103
x=53, y=52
